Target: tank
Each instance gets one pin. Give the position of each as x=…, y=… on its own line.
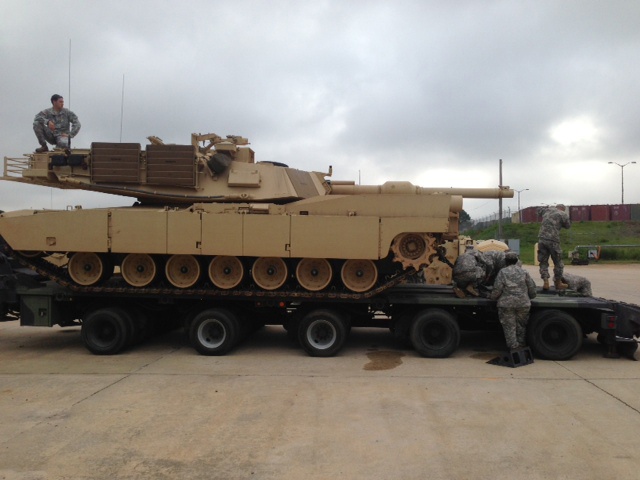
x=208, y=216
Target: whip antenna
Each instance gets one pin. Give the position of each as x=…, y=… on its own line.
x=122, y=108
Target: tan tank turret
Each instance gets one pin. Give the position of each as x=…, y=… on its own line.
x=210, y=216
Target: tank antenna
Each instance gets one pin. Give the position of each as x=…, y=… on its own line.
x=69, y=93
x=121, y=108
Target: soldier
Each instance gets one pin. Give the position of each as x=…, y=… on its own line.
x=53, y=125
x=468, y=272
x=514, y=290
x=494, y=262
x=578, y=284
x=553, y=220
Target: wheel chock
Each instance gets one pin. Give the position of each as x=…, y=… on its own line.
x=514, y=358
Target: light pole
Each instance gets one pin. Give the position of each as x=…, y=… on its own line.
x=520, y=211
x=622, y=169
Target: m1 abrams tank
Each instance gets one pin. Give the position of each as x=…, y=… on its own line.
x=209, y=217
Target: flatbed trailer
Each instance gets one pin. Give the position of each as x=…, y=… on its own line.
x=429, y=317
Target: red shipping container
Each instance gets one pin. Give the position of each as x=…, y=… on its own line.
x=530, y=215
x=621, y=213
x=600, y=213
x=580, y=213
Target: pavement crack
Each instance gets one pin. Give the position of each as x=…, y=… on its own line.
x=590, y=382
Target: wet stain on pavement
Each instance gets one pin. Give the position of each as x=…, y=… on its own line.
x=484, y=355
x=383, y=360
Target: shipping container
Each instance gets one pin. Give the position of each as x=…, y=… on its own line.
x=580, y=213
x=635, y=211
x=530, y=215
x=620, y=213
x=600, y=213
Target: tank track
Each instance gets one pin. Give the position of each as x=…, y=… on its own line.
x=117, y=285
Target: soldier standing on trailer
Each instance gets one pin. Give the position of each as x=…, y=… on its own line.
x=553, y=219
x=514, y=288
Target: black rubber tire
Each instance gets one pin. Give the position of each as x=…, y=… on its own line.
x=322, y=333
x=435, y=333
x=106, y=331
x=214, y=331
x=554, y=335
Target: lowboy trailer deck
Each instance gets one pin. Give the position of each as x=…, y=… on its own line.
x=430, y=317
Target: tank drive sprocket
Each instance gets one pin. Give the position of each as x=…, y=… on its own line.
x=413, y=249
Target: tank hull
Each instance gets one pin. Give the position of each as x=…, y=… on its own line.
x=390, y=232
x=339, y=227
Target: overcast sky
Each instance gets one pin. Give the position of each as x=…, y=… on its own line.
x=432, y=92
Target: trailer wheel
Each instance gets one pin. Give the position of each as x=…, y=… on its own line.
x=214, y=331
x=322, y=333
x=106, y=331
x=554, y=335
x=435, y=333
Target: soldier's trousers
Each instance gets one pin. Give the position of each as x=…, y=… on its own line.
x=548, y=249
x=44, y=135
x=514, y=323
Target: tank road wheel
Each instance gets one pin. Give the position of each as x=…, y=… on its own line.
x=314, y=274
x=269, y=273
x=435, y=333
x=554, y=335
x=87, y=268
x=226, y=272
x=138, y=269
x=322, y=333
x=214, y=331
x=359, y=275
x=182, y=271
x=106, y=331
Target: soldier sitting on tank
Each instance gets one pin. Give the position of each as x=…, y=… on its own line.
x=468, y=273
x=53, y=125
x=578, y=284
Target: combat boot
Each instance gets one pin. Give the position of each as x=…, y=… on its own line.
x=459, y=293
x=471, y=289
x=42, y=149
x=560, y=285
x=545, y=286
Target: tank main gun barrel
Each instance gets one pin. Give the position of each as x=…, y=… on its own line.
x=407, y=188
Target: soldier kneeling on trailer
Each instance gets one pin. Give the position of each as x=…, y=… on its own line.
x=577, y=283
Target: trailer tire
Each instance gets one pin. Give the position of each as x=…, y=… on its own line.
x=106, y=331
x=554, y=335
x=435, y=333
x=214, y=331
x=322, y=333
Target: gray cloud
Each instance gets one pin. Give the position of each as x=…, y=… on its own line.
x=434, y=92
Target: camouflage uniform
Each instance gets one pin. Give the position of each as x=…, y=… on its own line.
x=494, y=262
x=513, y=289
x=61, y=120
x=549, y=242
x=469, y=270
x=578, y=283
